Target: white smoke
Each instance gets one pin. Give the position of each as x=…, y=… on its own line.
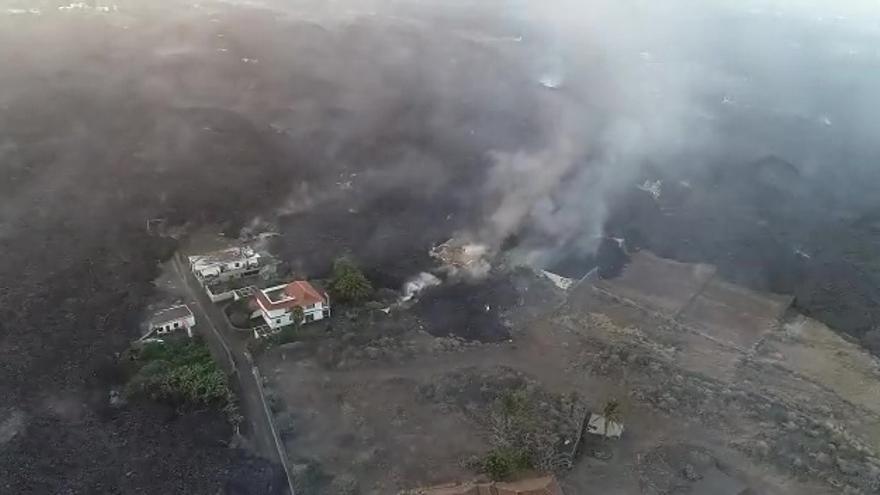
x=417, y=284
x=607, y=110
x=463, y=259
x=521, y=180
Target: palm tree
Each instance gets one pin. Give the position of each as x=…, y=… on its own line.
x=298, y=316
x=612, y=413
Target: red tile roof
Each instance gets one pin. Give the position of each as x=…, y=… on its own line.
x=302, y=293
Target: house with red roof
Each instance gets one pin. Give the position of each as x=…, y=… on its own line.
x=276, y=304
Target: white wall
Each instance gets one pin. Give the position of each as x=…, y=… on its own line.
x=278, y=320
x=182, y=324
x=317, y=313
x=220, y=296
x=212, y=271
x=281, y=318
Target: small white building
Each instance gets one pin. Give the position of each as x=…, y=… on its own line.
x=596, y=426
x=276, y=304
x=226, y=264
x=171, y=320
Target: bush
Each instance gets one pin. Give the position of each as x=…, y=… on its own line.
x=501, y=463
x=349, y=284
x=284, y=336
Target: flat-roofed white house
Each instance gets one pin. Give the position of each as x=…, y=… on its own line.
x=221, y=273
x=276, y=304
x=171, y=320
x=226, y=264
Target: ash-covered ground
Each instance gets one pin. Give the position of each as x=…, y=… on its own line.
x=382, y=130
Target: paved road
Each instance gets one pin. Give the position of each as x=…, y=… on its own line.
x=226, y=345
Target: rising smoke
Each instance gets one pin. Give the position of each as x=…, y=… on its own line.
x=541, y=113
x=508, y=118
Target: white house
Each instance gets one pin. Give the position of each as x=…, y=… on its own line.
x=226, y=264
x=276, y=304
x=223, y=272
x=172, y=319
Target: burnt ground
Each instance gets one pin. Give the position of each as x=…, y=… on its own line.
x=398, y=408
x=767, y=225
x=468, y=310
x=76, y=273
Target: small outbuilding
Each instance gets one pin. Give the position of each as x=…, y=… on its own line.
x=172, y=319
x=597, y=426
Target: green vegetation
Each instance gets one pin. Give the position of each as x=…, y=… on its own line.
x=285, y=335
x=502, y=463
x=527, y=430
x=349, y=284
x=180, y=372
x=517, y=437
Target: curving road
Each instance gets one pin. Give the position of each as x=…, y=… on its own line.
x=230, y=350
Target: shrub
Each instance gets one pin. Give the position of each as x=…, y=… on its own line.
x=284, y=336
x=500, y=463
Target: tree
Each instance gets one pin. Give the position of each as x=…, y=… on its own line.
x=612, y=413
x=349, y=284
x=289, y=333
x=298, y=316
